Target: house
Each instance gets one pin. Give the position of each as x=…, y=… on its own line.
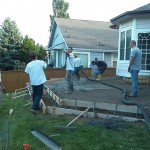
x=133, y=25
x=89, y=39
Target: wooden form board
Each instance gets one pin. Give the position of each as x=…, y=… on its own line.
x=63, y=111
x=54, y=96
x=95, y=105
x=42, y=104
x=104, y=106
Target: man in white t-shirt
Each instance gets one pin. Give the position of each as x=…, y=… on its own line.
x=77, y=66
x=35, y=70
x=70, y=70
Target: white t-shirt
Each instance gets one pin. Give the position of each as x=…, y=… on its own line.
x=70, y=62
x=35, y=69
x=77, y=62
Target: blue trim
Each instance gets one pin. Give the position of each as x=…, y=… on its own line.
x=52, y=34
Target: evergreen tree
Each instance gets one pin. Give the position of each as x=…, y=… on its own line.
x=14, y=49
x=10, y=44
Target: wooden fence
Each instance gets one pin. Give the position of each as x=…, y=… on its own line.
x=12, y=80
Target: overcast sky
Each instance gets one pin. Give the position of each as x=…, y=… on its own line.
x=32, y=16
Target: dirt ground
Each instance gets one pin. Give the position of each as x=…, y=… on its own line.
x=86, y=90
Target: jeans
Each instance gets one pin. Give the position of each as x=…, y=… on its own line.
x=69, y=80
x=37, y=95
x=101, y=71
x=134, y=79
x=76, y=71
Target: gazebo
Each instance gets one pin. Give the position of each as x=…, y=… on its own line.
x=133, y=25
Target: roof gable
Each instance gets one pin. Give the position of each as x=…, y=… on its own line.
x=143, y=10
x=88, y=34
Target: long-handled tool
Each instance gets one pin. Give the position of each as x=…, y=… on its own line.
x=68, y=125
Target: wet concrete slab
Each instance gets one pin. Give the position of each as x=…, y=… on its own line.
x=86, y=90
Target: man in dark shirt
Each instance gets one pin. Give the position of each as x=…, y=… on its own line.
x=101, y=68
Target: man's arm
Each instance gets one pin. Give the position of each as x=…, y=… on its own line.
x=130, y=63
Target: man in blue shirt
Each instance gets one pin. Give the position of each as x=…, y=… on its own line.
x=35, y=70
x=134, y=67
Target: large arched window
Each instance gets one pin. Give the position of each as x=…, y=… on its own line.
x=144, y=45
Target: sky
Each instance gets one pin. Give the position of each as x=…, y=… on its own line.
x=32, y=16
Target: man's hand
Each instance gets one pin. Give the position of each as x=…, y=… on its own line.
x=129, y=69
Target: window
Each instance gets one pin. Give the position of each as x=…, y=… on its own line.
x=125, y=49
x=84, y=59
x=122, y=45
x=144, y=45
x=114, y=59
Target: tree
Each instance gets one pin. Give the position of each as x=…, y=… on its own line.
x=14, y=49
x=29, y=46
x=10, y=44
x=60, y=8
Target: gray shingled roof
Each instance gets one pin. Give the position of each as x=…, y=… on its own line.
x=88, y=34
x=145, y=7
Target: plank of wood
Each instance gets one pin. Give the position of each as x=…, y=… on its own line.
x=53, y=96
x=127, y=108
x=99, y=105
x=63, y=111
x=78, y=116
x=42, y=104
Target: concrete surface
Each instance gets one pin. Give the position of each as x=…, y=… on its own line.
x=93, y=91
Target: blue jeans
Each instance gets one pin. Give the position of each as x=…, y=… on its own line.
x=134, y=79
x=37, y=95
x=77, y=72
x=101, y=71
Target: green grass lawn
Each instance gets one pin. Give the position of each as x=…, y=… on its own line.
x=135, y=136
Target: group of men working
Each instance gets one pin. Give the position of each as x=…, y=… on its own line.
x=35, y=70
x=73, y=64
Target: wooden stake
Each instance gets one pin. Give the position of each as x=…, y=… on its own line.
x=78, y=117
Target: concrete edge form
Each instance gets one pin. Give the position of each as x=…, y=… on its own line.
x=63, y=111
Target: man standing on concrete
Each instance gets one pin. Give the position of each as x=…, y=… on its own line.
x=35, y=70
x=70, y=70
x=77, y=66
x=134, y=67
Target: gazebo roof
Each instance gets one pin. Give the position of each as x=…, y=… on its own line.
x=143, y=10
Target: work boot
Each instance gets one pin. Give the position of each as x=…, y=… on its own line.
x=99, y=77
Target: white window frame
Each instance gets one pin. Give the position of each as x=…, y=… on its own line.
x=88, y=53
x=112, y=59
x=142, y=31
x=123, y=30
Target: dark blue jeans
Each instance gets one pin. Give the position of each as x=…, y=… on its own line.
x=134, y=78
x=77, y=72
x=101, y=71
x=37, y=95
